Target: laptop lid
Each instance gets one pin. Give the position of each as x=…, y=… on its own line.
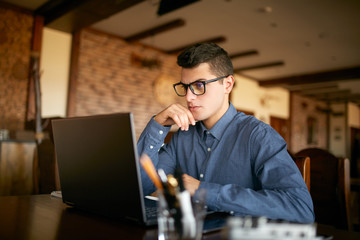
x=98, y=165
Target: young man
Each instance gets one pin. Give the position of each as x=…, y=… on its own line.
x=241, y=162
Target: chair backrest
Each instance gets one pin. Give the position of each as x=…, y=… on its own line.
x=330, y=187
x=303, y=163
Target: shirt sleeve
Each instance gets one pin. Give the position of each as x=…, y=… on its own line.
x=150, y=142
x=282, y=192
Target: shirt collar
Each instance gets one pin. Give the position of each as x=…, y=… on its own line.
x=218, y=129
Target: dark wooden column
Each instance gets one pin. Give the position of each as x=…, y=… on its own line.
x=74, y=70
x=35, y=47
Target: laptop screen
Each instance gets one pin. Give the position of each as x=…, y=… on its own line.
x=98, y=165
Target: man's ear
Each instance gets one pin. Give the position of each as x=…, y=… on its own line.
x=229, y=83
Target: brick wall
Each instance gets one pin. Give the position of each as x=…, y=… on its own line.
x=15, y=45
x=302, y=110
x=108, y=82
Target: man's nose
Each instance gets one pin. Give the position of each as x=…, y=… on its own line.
x=189, y=95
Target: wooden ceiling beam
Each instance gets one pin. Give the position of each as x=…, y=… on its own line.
x=244, y=54
x=324, y=90
x=71, y=16
x=167, y=6
x=328, y=76
x=156, y=30
x=310, y=86
x=340, y=98
x=219, y=39
x=263, y=65
x=51, y=10
x=334, y=94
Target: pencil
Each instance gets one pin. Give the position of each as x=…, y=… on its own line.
x=150, y=170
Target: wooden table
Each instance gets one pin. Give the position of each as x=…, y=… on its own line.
x=45, y=217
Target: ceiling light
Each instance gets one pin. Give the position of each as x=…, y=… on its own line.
x=266, y=9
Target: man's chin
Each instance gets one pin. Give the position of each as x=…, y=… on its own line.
x=197, y=117
x=196, y=114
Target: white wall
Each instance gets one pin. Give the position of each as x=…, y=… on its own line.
x=263, y=102
x=54, y=67
x=338, y=130
x=340, y=127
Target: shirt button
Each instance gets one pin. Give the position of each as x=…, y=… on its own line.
x=151, y=146
x=201, y=175
x=207, y=132
x=209, y=149
x=161, y=132
x=231, y=212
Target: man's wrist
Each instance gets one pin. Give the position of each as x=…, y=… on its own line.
x=157, y=120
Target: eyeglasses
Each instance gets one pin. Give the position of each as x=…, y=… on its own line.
x=197, y=87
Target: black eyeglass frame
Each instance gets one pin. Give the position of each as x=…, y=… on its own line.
x=192, y=90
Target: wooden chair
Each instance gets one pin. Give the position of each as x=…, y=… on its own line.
x=303, y=163
x=330, y=187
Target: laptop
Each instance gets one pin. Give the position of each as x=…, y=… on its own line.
x=99, y=168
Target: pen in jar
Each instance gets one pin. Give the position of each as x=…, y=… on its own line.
x=150, y=170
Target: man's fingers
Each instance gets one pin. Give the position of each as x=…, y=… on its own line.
x=180, y=115
x=191, y=118
x=176, y=114
x=188, y=118
x=177, y=121
x=184, y=121
x=191, y=184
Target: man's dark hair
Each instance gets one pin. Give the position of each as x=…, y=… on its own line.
x=217, y=58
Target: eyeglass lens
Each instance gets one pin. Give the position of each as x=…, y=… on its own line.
x=196, y=88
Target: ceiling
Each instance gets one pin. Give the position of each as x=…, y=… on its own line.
x=306, y=46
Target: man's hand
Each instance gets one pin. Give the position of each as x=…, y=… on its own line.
x=176, y=114
x=191, y=184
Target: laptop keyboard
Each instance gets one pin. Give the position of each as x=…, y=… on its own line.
x=151, y=212
x=150, y=208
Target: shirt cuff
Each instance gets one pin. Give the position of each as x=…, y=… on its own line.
x=212, y=194
x=157, y=130
x=156, y=134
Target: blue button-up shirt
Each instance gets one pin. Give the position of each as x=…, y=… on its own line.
x=242, y=163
